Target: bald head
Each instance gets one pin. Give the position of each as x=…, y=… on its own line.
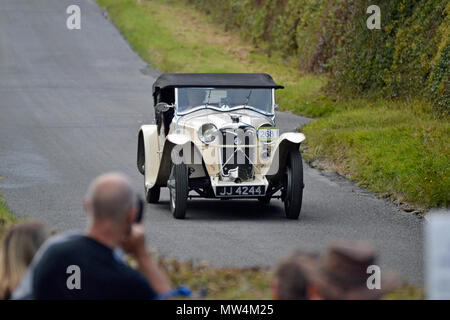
x=110, y=196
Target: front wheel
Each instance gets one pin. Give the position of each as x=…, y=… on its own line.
x=178, y=187
x=293, y=193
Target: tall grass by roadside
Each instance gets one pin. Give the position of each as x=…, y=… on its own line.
x=395, y=148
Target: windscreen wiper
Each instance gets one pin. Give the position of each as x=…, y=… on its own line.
x=248, y=98
x=209, y=97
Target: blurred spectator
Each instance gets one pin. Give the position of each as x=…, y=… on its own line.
x=289, y=282
x=342, y=273
x=87, y=266
x=19, y=245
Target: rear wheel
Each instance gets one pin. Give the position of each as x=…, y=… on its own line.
x=152, y=194
x=293, y=193
x=178, y=187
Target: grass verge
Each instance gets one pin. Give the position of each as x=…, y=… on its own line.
x=6, y=216
x=242, y=283
x=219, y=283
x=174, y=37
x=394, y=148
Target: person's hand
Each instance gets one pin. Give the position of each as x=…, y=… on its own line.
x=134, y=242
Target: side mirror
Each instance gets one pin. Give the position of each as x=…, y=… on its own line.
x=275, y=107
x=163, y=107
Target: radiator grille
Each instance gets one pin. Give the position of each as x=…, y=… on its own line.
x=238, y=151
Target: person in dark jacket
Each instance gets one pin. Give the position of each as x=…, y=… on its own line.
x=87, y=266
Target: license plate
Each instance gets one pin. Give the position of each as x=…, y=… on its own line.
x=267, y=134
x=240, y=191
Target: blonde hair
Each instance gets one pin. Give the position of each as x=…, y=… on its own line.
x=18, y=247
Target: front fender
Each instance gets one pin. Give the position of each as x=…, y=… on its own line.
x=178, y=139
x=293, y=137
x=191, y=155
x=286, y=142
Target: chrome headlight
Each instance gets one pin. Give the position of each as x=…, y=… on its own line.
x=208, y=133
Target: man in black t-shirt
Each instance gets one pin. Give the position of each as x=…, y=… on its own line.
x=90, y=266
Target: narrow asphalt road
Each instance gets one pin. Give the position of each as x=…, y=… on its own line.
x=71, y=103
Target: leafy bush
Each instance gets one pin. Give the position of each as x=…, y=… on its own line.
x=408, y=57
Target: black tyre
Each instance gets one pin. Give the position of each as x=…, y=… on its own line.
x=293, y=193
x=152, y=194
x=178, y=187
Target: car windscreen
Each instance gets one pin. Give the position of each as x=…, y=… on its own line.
x=190, y=99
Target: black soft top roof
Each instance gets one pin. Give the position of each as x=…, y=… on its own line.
x=215, y=80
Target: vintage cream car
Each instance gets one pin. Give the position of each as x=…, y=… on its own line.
x=215, y=137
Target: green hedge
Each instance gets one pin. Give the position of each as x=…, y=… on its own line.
x=408, y=57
